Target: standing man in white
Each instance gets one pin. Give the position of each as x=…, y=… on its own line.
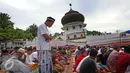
x=43, y=46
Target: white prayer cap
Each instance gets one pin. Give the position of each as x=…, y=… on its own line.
x=122, y=48
x=50, y=19
x=121, y=51
x=21, y=50
x=111, y=48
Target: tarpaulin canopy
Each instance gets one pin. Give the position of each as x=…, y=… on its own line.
x=128, y=31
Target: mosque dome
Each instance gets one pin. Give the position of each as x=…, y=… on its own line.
x=72, y=16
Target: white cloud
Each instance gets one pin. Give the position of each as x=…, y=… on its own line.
x=102, y=15
x=28, y=4
x=111, y=15
x=27, y=12
x=16, y=3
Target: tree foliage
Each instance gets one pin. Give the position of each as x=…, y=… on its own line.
x=6, y=27
x=21, y=34
x=7, y=31
x=55, y=35
x=5, y=21
x=32, y=29
x=93, y=32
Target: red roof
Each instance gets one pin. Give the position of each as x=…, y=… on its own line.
x=120, y=43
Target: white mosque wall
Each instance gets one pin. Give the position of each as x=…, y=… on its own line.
x=22, y=43
x=61, y=36
x=105, y=39
x=71, y=30
x=16, y=43
x=63, y=43
x=60, y=43
x=30, y=43
x=76, y=29
x=102, y=37
x=83, y=40
x=9, y=44
x=80, y=44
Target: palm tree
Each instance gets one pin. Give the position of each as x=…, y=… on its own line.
x=5, y=21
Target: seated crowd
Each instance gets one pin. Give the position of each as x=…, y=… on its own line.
x=26, y=59
x=114, y=59
x=88, y=59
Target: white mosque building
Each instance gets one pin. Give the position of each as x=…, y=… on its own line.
x=73, y=27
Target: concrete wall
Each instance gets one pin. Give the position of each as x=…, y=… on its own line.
x=105, y=39
x=77, y=27
x=30, y=43
x=26, y=43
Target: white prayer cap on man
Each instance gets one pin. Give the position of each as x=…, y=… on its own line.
x=21, y=50
x=99, y=52
x=111, y=48
x=121, y=51
x=50, y=19
x=122, y=48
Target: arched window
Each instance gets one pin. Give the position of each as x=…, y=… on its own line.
x=81, y=35
x=67, y=28
x=75, y=36
x=68, y=37
x=73, y=27
x=80, y=26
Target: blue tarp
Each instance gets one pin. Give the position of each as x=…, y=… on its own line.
x=128, y=31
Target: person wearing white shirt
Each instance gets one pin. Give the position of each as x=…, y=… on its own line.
x=43, y=46
x=31, y=60
x=31, y=56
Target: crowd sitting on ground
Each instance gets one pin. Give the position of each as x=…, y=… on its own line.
x=115, y=59
x=26, y=59
x=60, y=59
x=88, y=59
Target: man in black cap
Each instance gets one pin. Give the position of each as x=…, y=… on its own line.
x=43, y=46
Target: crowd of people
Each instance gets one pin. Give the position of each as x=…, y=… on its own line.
x=102, y=59
x=87, y=59
x=15, y=59
x=61, y=59
x=26, y=59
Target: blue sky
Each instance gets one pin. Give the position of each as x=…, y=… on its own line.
x=101, y=15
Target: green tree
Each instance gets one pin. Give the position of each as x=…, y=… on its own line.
x=5, y=21
x=32, y=29
x=21, y=34
x=93, y=32
x=55, y=35
x=6, y=27
x=7, y=31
